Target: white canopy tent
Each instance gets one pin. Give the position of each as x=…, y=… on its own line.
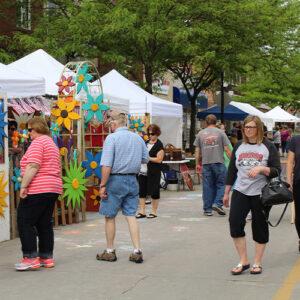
x=251, y=110
x=16, y=84
x=277, y=114
x=166, y=114
x=40, y=63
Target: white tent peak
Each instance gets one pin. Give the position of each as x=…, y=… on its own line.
x=280, y=115
x=40, y=63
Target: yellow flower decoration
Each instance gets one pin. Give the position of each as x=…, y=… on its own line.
x=65, y=113
x=96, y=197
x=3, y=195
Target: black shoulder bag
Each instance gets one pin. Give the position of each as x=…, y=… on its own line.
x=276, y=192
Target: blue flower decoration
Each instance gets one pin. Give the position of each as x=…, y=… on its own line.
x=54, y=129
x=136, y=124
x=17, y=179
x=95, y=107
x=92, y=164
x=2, y=125
x=83, y=78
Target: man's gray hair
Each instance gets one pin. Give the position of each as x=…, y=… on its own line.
x=119, y=118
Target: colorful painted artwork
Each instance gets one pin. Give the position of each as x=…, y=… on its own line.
x=22, y=120
x=15, y=139
x=136, y=124
x=94, y=107
x=74, y=184
x=17, y=179
x=2, y=128
x=54, y=129
x=65, y=84
x=92, y=164
x=3, y=195
x=65, y=113
x=64, y=146
x=96, y=197
x=83, y=78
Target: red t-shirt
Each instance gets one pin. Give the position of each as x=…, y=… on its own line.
x=45, y=153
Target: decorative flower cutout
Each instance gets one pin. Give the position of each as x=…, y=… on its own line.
x=64, y=84
x=96, y=197
x=82, y=78
x=3, y=195
x=74, y=184
x=22, y=120
x=54, y=129
x=17, y=179
x=2, y=131
x=24, y=135
x=144, y=136
x=15, y=139
x=68, y=98
x=64, y=146
x=136, y=124
x=95, y=107
x=92, y=164
x=65, y=113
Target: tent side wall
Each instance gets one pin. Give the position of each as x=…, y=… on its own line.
x=171, y=130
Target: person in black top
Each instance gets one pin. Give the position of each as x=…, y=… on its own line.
x=293, y=178
x=149, y=176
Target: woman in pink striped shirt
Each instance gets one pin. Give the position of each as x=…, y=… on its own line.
x=41, y=185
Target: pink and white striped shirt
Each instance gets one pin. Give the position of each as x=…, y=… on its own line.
x=45, y=153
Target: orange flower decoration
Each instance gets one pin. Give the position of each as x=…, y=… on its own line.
x=96, y=197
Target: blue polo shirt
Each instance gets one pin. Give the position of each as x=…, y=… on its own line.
x=124, y=151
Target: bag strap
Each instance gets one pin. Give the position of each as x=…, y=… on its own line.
x=278, y=222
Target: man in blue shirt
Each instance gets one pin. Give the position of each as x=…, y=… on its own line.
x=122, y=156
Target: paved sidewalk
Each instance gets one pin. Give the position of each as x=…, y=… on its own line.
x=187, y=256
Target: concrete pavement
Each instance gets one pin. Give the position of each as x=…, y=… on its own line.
x=187, y=256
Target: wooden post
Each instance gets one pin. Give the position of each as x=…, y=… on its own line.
x=13, y=214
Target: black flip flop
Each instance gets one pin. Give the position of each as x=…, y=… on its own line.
x=243, y=268
x=256, y=272
x=151, y=216
x=140, y=216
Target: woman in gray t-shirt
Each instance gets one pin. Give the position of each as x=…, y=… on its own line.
x=253, y=161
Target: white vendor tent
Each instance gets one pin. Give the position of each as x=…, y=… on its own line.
x=40, y=63
x=277, y=114
x=251, y=110
x=166, y=114
x=16, y=84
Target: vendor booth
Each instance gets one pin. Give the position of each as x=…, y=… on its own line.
x=167, y=115
x=12, y=84
x=251, y=110
x=277, y=114
x=231, y=113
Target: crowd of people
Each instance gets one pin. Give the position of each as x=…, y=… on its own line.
x=131, y=171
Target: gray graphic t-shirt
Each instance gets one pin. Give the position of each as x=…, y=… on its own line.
x=211, y=142
x=247, y=157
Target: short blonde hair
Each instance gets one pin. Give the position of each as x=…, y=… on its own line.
x=260, y=128
x=39, y=125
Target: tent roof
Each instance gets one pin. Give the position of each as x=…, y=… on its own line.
x=114, y=84
x=16, y=84
x=277, y=114
x=231, y=113
x=40, y=63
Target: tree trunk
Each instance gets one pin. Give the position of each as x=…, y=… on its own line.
x=149, y=78
x=193, y=123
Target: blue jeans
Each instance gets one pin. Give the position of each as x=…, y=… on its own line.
x=122, y=194
x=213, y=185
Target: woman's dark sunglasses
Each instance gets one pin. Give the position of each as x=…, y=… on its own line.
x=151, y=133
x=30, y=129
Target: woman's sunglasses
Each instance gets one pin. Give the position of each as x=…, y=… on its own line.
x=30, y=129
x=151, y=133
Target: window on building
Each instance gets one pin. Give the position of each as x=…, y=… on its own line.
x=24, y=14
